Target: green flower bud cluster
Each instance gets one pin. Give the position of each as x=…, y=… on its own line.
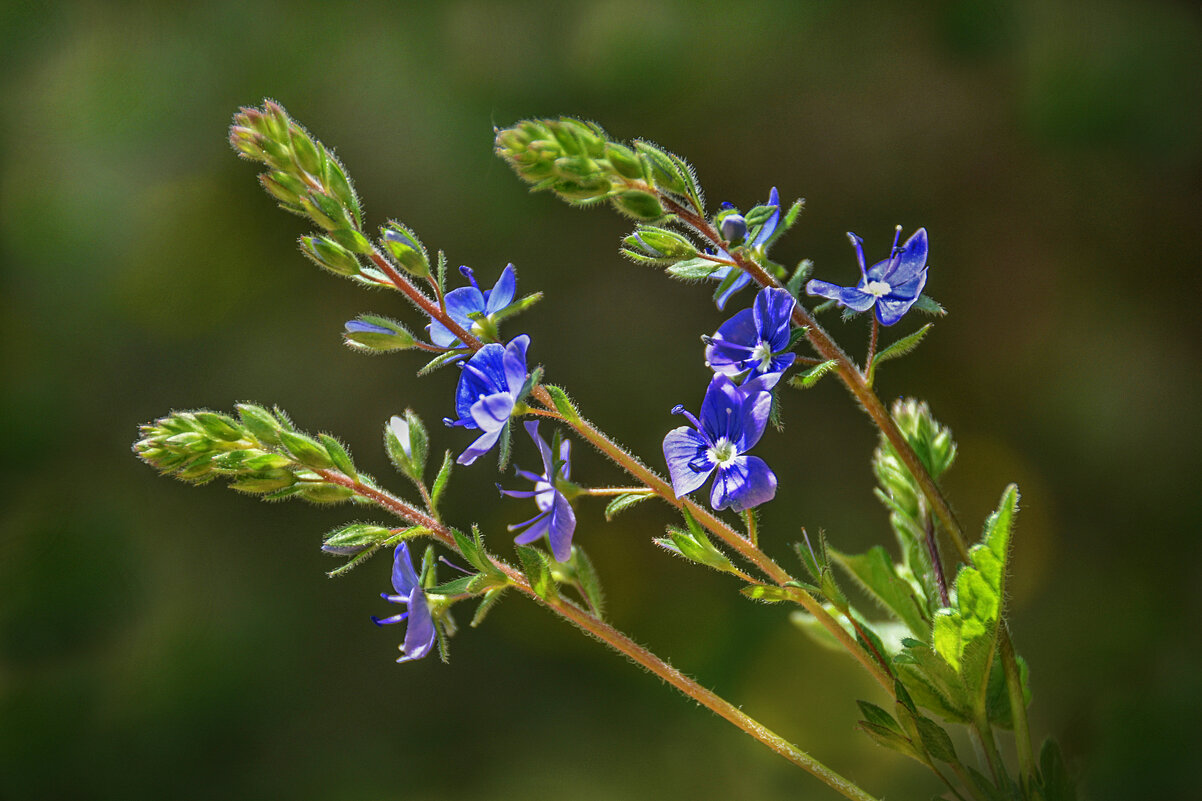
x=306, y=179
x=579, y=162
x=260, y=453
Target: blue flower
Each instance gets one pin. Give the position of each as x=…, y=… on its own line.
x=361, y=327
x=419, y=634
x=488, y=390
x=469, y=299
x=731, y=423
x=892, y=285
x=555, y=517
x=758, y=243
x=755, y=339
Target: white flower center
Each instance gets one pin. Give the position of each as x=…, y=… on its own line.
x=723, y=452
x=762, y=353
x=878, y=289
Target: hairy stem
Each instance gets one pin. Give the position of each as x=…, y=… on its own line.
x=619, y=642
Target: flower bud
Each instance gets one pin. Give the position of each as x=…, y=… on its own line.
x=639, y=205
x=404, y=246
x=733, y=228
x=329, y=254
x=375, y=334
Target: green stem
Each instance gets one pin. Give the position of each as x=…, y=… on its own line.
x=1018, y=703
x=752, y=533
x=619, y=642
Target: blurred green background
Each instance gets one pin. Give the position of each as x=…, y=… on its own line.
x=162, y=641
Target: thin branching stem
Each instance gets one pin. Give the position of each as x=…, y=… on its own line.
x=615, y=639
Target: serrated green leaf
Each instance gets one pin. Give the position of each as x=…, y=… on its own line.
x=898, y=349
x=877, y=716
x=877, y=574
x=538, y=572
x=890, y=739
x=441, y=480
x=339, y=456
x=936, y=740
x=623, y=502
x=965, y=635
x=693, y=269
x=812, y=376
x=562, y=402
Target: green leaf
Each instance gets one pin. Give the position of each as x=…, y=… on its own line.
x=490, y=600
x=538, y=572
x=936, y=740
x=898, y=349
x=890, y=739
x=441, y=360
x=812, y=376
x=459, y=586
x=517, y=307
x=623, y=502
x=693, y=269
x=441, y=480
x=338, y=454
x=932, y=682
x=965, y=635
x=1054, y=778
x=563, y=403
x=473, y=550
x=588, y=581
x=354, y=562
x=804, y=269
x=694, y=545
x=877, y=716
x=876, y=572
x=927, y=305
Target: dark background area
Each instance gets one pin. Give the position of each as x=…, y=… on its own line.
x=163, y=641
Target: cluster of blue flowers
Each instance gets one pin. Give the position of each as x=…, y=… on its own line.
x=750, y=347
x=748, y=354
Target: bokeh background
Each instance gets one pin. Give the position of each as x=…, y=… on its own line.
x=163, y=641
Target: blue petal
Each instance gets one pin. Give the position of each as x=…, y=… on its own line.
x=683, y=448
x=911, y=259
x=720, y=410
x=360, y=327
x=745, y=483
x=460, y=302
x=480, y=447
x=483, y=374
x=515, y=363
x=879, y=271
x=773, y=311
x=770, y=225
x=563, y=523
x=743, y=280
x=419, y=634
x=492, y=412
x=535, y=528
x=732, y=344
x=501, y=295
x=763, y=382
x=404, y=580
x=889, y=310
x=544, y=450
x=847, y=296
x=753, y=418
x=909, y=290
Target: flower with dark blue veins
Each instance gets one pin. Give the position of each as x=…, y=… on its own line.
x=488, y=390
x=419, y=633
x=555, y=517
x=732, y=421
x=466, y=300
x=757, y=244
x=892, y=285
x=754, y=341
